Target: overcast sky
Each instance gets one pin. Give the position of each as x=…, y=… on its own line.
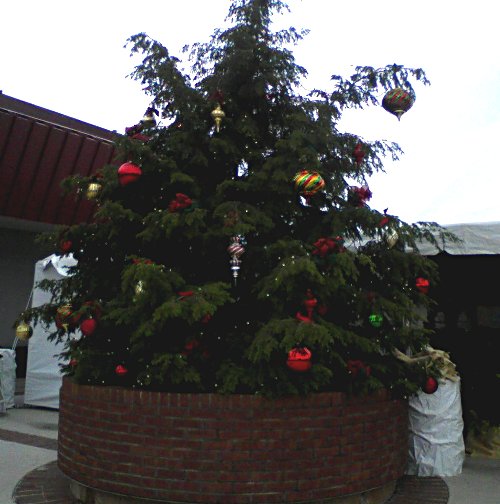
x=69, y=57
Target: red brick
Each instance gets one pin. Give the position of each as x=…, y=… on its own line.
x=233, y=449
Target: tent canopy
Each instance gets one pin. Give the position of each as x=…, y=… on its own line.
x=476, y=239
x=43, y=376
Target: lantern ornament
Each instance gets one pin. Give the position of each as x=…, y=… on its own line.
x=398, y=101
x=430, y=385
x=299, y=359
x=128, y=173
x=422, y=285
x=93, y=190
x=218, y=114
x=376, y=319
x=308, y=183
x=23, y=331
x=236, y=249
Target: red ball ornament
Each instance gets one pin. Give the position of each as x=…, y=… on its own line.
x=430, y=385
x=65, y=246
x=422, y=285
x=398, y=101
x=299, y=359
x=73, y=363
x=88, y=326
x=128, y=173
x=121, y=370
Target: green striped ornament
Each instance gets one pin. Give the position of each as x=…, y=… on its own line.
x=398, y=101
x=308, y=183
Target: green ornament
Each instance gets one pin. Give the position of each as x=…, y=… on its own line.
x=376, y=319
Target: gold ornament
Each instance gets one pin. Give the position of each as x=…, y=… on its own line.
x=93, y=190
x=391, y=238
x=218, y=114
x=139, y=288
x=23, y=331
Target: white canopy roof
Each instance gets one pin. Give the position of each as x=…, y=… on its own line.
x=477, y=238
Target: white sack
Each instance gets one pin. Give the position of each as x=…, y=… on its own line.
x=436, y=445
x=43, y=375
x=8, y=376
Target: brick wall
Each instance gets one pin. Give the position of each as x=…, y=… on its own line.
x=229, y=449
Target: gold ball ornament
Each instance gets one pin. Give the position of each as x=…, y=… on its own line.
x=23, y=331
x=93, y=190
x=218, y=114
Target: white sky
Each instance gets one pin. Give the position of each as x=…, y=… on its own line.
x=69, y=57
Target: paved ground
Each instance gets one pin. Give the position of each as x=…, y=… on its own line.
x=29, y=474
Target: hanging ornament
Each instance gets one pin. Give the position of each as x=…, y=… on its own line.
x=128, y=173
x=121, y=370
x=73, y=363
x=180, y=202
x=326, y=246
x=398, y=101
x=88, y=326
x=65, y=246
x=430, y=385
x=23, y=331
x=299, y=359
x=310, y=303
x=236, y=249
x=358, y=196
x=139, y=288
x=422, y=285
x=93, y=190
x=359, y=153
x=376, y=319
x=149, y=117
x=218, y=114
x=65, y=318
x=391, y=238
x=308, y=183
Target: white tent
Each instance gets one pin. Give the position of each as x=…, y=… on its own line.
x=43, y=377
x=476, y=239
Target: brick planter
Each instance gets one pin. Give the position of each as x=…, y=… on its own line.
x=238, y=449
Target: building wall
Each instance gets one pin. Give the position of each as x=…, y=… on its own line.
x=18, y=255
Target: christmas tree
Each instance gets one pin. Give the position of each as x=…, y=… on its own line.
x=233, y=249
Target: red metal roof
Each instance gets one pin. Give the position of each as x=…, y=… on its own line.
x=38, y=149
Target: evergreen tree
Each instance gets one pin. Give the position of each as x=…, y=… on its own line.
x=321, y=271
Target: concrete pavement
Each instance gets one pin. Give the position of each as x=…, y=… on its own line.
x=27, y=441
